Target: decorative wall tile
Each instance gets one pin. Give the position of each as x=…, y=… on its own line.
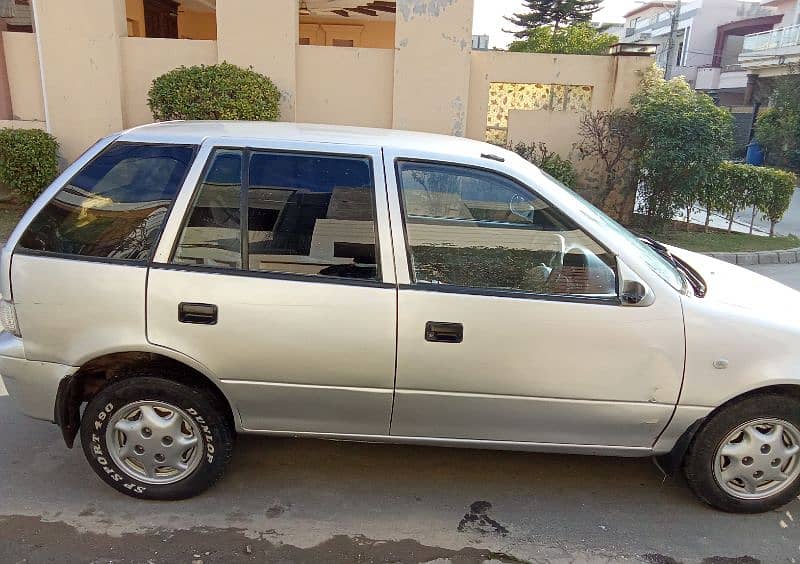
x=507, y=96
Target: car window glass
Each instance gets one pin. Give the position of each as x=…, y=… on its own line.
x=212, y=234
x=115, y=206
x=477, y=229
x=312, y=214
x=307, y=214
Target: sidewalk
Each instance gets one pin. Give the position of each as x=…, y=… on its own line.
x=790, y=256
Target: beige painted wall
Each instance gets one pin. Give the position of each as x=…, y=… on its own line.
x=24, y=76
x=80, y=52
x=627, y=77
x=264, y=35
x=345, y=86
x=432, y=65
x=17, y=124
x=145, y=59
x=614, y=80
x=197, y=25
x=378, y=35
x=498, y=66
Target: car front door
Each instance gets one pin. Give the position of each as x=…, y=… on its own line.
x=510, y=327
x=275, y=273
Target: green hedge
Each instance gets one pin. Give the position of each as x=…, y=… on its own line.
x=222, y=91
x=736, y=186
x=28, y=161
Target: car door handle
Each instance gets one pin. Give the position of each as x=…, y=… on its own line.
x=198, y=314
x=438, y=332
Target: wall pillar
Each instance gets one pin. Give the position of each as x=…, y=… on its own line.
x=433, y=44
x=6, y=111
x=79, y=51
x=263, y=35
x=750, y=89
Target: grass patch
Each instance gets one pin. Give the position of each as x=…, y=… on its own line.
x=9, y=216
x=726, y=242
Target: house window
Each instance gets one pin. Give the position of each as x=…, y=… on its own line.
x=161, y=18
x=343, y=43
x=305, y=41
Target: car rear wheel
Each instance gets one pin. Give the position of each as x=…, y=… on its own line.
x=746, y=458
x=153, y=438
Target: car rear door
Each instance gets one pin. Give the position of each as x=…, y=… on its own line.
x=510, y=327
x=276, y=273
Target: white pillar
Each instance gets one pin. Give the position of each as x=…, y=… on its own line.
x=433, y=45
x=79, y=53
x=263, y=35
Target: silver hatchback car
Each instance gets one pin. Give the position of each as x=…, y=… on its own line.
x=183, y=282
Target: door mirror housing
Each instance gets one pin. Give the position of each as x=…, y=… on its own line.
x=633, y=291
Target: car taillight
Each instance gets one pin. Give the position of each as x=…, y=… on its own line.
x=8, y=318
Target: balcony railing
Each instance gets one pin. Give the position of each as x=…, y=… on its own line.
x=773, y=39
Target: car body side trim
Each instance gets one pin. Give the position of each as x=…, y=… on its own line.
x=599, y=450
x=607, y=300
x=293, y=385
x=549, y=399
x=307, y=278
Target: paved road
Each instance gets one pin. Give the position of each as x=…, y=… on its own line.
x=790, y=224
x=788, y=274
x=314, y=501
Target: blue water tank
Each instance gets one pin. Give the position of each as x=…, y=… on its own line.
x=755, y=154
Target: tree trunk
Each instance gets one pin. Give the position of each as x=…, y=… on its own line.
x=688, y=218
x=772, y=228
x=730, y=221
x=708, y=217
x=753, y=219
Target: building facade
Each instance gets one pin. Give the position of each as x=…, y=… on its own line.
x=773, y=52
x=697, y=44
x=84, y=67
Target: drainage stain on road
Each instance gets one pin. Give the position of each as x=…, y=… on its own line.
x=26, y=540
x=478, y=520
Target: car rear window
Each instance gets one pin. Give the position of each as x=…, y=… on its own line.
x=115, y=206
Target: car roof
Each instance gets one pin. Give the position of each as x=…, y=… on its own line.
x=195, y=132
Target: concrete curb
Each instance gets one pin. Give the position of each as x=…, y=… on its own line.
x=789, y=256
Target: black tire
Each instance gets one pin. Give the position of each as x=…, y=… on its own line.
x=216, y=435
x=698, y=465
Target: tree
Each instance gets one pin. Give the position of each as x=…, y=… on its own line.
x=778, y=127
x=553, y=14
x=683, y=138
x=609, y=138
x=578, y=39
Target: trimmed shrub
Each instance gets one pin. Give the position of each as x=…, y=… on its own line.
x=28, y=161
x=222, y=91
x=776, y=195
x=552, y=163
x=736, y=186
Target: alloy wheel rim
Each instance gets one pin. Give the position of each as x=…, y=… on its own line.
x=154, y=442
x=758, y=459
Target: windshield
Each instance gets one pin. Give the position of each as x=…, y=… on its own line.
x=658, y=263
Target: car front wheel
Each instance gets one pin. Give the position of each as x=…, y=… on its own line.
x=153, y=438
x=746, y=458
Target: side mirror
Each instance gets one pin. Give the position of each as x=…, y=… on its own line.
x=634, y=291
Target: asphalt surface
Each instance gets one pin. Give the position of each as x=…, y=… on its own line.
x=315, y=501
